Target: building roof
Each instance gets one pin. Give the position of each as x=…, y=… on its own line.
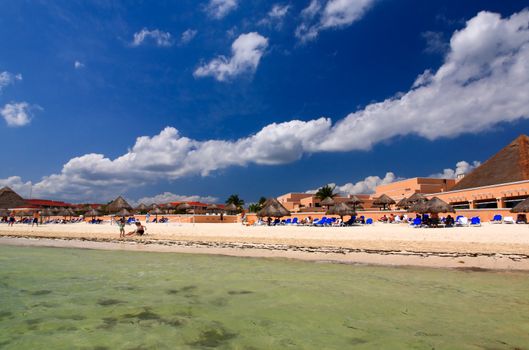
x=10, y=199
x=510, y=164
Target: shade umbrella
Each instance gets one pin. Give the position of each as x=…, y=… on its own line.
x=183, y=206
x=341, y=209
x=522, y=207
x=155, y=212
x=437, y=205
x=272, y=208
x=4, y=212
x=123, y=212
x=354, y=200
x=118, y=204
x=47, y=212
x=24, y=213
x=93, y=213
x=328, y=201
x=383, y=201
x=231, y=208
x=420, y=207
x=141, y=208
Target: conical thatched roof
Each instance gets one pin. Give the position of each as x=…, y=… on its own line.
x=436, y=205
x=522, y=207
x=341, y=209
x=47, y=212
x=231, y=207
x=142, y=207
x=383, y=200
x=24, y=213
x=10, y=199
x=403, y=203
x=508, y=165
x=4, y=212
x=414, y=198
x=354, y=200
x=156, y=211
x=212, y=207
x=123, y=212
x=183, y=206
x=420, y=207
x=327, y=201
x=272, y=208
x=118, y=204
x=92, y=212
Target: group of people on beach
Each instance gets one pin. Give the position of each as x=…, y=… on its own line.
x=140, y=229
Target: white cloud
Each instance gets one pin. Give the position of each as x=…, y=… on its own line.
x=17, y=185
x=187, y=36
x=78, y=65
x=483, y=81
x=168, y=197
x=323, y=15
x=7, y=78
x=462, y=168
x=160, y=38
x=435, y=42
x=365, y=186
x=16, y=114
x=246, y=51
x=275, y=16
x=220, y=8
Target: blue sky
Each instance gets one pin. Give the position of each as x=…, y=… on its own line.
x=255, y=98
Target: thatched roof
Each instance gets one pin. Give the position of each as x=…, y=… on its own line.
x=327, y=201
x=183, y=206
x=4, y=212
x=92, y=212
x=141, y=207
x=522, y=207
x=156, y=211
x=212, y=207
x=10, y=199
x=47, y=212
x=436, y=205
x=414, y=198
x=419, y=207
x=118, y=204
x=123, y=212
x=508, y=165
x=230, y=207
x=354, y=200
x=403, y=203
x=383, y=200
x=341, y=209
x=272, y=208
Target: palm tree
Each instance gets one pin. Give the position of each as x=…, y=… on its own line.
x=255, y=207
x=235, y=200
x=326, y=191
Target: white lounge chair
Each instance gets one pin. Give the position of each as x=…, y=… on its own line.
x=462, y=221
x=508, y=220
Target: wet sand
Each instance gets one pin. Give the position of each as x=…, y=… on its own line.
x=492, y=246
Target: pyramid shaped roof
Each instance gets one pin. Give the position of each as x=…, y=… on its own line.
x=508, y=165
x=10, y=199
x=118, y=204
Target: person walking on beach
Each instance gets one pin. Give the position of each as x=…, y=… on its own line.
x=36, y=217
x=121, y=225
x=11, y=219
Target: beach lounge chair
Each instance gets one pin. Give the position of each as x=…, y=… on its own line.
x=508, y=220
x=369, y=221
x=417, y=222
x=321, y=222
x=288, y=221
x=497, y=219
x=475, y=221
x=295, y=221
x=461, y=221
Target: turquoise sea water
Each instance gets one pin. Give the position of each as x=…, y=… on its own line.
x=68, y=298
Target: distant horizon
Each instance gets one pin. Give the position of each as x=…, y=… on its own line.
x=195, y=102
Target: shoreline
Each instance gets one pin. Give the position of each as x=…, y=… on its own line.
x=458, y=260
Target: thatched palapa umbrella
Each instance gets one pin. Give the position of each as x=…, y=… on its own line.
x=327, y=202
x=118, y=204
x=341, y=209
x=141, y=208
x=10, y=199
x=403, y=203
x=4, y=212
x=212, y=208
x=156, y=212
x=123, y=212
x=383, y=201
x=354, y=200
x=231, y=208
x=183, y=206
x=522, y=207
x=420, y=207
x=93, y=213
x=272, y=208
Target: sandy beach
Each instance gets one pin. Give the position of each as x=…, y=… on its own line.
x=491, y=246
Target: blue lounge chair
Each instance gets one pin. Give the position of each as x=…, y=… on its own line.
x=369, y=221
x=475, y=221
x=497, y=219
x=416, y=222
x=321, y=222
x=288, y=221
x=295, y=221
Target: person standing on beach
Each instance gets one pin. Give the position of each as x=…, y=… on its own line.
x=11, y=219
x=121, y=225
x=36, y=217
